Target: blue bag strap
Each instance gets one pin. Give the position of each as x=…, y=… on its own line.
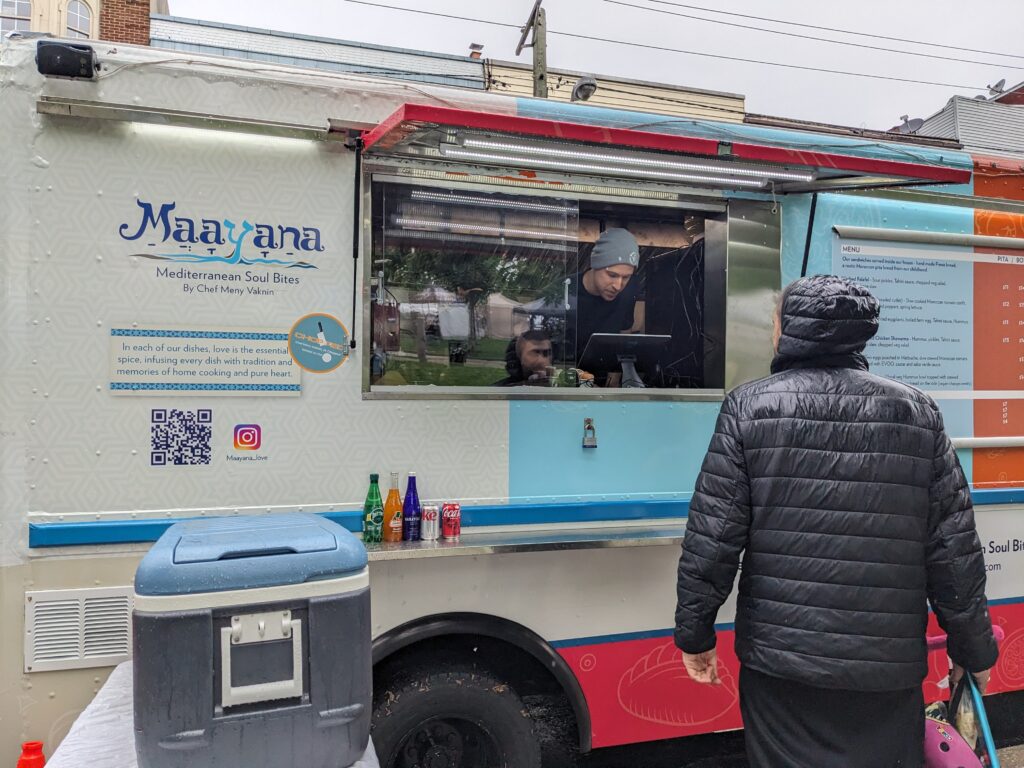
x=986, y=730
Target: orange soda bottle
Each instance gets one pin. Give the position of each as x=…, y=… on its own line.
x=393, y=512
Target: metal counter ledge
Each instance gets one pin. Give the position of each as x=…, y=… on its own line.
x=483, y=542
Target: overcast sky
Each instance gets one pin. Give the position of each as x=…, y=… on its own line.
x=993, y=26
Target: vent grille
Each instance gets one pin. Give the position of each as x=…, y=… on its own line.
x=107, y=621
x=76, y=628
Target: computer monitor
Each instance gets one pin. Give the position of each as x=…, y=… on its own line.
x=608, y=352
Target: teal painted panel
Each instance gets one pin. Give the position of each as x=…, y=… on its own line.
x=967, y=462
x=958, y=417
x=643, y=449
x=858, y=211
x=796, y=212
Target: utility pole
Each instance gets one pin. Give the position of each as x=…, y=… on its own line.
x=538, y=23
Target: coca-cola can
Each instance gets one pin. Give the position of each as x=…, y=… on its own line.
x=430, y=528
x=451, y=521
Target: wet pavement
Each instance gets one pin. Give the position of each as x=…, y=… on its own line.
x=1013, y=757
x=729, y=754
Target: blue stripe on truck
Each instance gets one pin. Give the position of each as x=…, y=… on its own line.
x=62, y=534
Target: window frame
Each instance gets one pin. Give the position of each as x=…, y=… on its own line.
x=15, y=18
x=716, y=207
x=78, y=34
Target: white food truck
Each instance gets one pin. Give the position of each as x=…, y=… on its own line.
x=234, y=288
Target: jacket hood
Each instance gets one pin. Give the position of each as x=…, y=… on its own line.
x=826, y=323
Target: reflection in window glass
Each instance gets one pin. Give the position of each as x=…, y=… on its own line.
x=15, y=15
x=79, y=19
x=469, y=287
x=474, y=288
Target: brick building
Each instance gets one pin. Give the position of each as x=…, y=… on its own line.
x=121, y=21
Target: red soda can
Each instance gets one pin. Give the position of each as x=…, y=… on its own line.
x=451, y=521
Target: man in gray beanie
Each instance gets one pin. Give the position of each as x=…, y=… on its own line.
x=605, y=296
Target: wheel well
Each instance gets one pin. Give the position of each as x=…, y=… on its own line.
x=505, y=648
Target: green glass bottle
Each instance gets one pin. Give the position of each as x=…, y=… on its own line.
x=373, y=513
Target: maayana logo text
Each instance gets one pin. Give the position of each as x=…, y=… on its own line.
x=208, y=235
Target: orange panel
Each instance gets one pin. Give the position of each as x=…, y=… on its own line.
x=998, y=224
x=998, y=327
x=999, y=336
x=998, y=177
x=998, y=467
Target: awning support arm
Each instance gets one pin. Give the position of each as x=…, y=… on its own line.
x=356, y=228
x=810, y=231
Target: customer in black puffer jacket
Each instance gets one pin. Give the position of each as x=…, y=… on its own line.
x=845, y=497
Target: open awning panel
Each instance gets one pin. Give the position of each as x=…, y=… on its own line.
x=480, y=138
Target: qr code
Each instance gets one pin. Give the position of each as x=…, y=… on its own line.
x=180, y=437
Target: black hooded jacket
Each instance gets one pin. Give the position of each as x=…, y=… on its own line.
x=845, y=497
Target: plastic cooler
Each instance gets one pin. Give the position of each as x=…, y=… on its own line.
x=252, y=645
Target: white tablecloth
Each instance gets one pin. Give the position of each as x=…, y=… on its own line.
x=103, y=736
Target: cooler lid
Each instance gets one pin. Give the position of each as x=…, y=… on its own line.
x=229, y=553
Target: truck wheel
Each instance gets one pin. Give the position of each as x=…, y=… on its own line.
x=453, y=718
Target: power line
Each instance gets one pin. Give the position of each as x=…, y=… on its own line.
x=436, y=13
x=834, y=29
x=651, y=47
x=765, y=63
x=815, y=39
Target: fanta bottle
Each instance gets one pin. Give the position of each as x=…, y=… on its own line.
x=393, y=512
x=373, y=512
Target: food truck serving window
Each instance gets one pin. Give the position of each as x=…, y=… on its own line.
x=506, y=291
x=482, y=283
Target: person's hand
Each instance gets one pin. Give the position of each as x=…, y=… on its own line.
x=584, y=378
x=980, y=678
x=702, y=667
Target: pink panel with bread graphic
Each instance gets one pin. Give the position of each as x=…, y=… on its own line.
x=638, y=690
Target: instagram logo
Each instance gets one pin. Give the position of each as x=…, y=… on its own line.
x=248, y=437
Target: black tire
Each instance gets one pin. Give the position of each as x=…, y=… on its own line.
x=452, y=718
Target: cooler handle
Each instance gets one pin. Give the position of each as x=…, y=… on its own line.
x=260, y=628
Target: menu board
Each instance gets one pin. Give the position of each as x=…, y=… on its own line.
x=952, y=324
x=925, y=331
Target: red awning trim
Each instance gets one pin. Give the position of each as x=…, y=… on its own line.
x=410, y=117
x=863, y=165
x=386, y=134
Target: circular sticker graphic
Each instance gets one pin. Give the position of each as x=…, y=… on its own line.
x=318, y=343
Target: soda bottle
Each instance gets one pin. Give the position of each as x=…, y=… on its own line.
x=393, y=512
x=411, y=511
x=373, y=512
